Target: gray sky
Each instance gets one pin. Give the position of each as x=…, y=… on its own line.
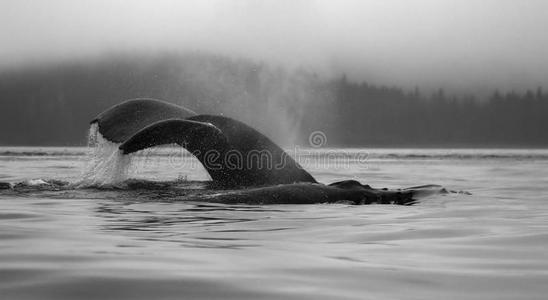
x=459, y=44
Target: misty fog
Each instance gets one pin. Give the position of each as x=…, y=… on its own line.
x=459, y=45
x=423, y=72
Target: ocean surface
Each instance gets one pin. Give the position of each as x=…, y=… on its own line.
x=71, y=231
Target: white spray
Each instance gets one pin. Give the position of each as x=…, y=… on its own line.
x=105, y=164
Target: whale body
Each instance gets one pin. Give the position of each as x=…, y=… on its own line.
x=236, y=156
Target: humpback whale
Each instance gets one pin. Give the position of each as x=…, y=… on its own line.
x=235, y=155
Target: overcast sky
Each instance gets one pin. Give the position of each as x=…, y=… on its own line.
x=459, y=44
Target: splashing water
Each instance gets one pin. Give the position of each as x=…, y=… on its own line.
x=106, y=166
x=105, y=163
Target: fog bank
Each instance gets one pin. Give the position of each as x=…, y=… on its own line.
x=460, y=45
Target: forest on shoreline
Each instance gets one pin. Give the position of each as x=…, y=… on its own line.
x=52, y=105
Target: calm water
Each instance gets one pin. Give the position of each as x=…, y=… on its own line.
x=117, y=243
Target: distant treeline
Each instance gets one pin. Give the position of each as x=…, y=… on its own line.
x=52, y=105
x=372, y=115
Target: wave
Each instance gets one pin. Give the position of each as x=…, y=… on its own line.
x=209, y=192
x=42, y=153
x=461, y=156
x=308, y=153
x=420, y=154
x=163, y=151
x=46, y=184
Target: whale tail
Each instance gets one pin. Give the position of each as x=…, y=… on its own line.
x=233, y=153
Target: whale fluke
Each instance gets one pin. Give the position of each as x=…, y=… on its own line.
x=120, y=122
x=233, y=153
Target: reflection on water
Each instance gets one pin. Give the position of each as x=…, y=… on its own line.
x=147, y=244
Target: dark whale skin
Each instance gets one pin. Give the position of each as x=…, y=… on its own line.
x=313, y=193
x=121, y=121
